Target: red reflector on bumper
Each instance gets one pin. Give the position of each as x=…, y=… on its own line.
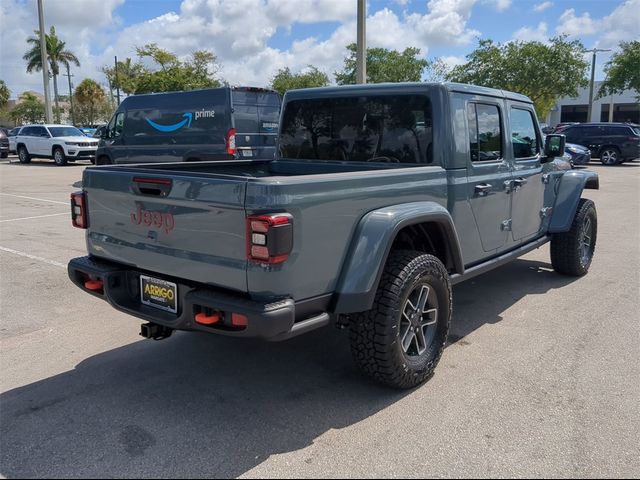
x=204, y=319
x=238, y=320
x=93, y=285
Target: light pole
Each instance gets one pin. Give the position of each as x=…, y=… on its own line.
x=117, y=81
x=593, y=72
x=361, y=45
x=45, y=65
x=69, y=75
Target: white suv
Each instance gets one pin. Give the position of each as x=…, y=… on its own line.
x=62, y=143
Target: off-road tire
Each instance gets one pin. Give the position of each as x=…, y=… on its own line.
x=569, y=254
x=59, y=157
x=23, y=154
x=375, y=334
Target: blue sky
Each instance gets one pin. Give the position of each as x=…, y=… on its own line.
x=254, y=38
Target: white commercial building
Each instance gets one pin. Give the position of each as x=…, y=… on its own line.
x=625, y=107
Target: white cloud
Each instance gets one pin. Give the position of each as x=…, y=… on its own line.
x=623, y=24
x=445, y=24
x=541, y=7
x=572, y=25
x=499, y=5
x=526, y=34
x=502, y=5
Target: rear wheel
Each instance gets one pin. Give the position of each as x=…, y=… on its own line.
x=59, y=157
x=610, y=156
x=23, y=154
x=572, y=251
x=401, y=339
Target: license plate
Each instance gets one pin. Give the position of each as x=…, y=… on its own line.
x=159, y=293
x=247, y=153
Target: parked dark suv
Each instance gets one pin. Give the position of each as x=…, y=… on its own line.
x=613, y=143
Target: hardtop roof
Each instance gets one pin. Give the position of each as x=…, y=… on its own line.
x=404, y=88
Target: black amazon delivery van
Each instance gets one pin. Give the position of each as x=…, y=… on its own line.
x=196, y=125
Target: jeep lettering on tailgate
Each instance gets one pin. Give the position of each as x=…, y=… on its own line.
x=157, y=219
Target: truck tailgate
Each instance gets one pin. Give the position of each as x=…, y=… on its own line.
x=178, y=226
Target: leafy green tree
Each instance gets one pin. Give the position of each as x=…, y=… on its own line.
x=4, y=94
x=437, y=70
x=90, y=104
x=384, y=65
x=543, y=72
x=623, y=70
x=285, y=80
x=197, y=72
x=128, y=74
x=57, y=55
x=164, y=58
x=29, y=109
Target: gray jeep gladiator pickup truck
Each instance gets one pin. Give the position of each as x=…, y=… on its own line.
x=381, y=197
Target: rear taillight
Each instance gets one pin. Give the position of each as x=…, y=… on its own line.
x=231, y=141
x=269, y=238
x=79, y=210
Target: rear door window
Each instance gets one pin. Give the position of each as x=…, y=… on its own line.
x=40, y=132
x=485, y=132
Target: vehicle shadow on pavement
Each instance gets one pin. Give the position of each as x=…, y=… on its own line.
x=196, y=405
x=47, y=164
x=483, y=299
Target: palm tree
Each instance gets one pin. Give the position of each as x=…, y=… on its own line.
x=56, y=54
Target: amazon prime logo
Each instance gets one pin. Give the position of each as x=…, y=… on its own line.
x=188, y=117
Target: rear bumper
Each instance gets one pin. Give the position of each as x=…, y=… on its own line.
x=273, y=320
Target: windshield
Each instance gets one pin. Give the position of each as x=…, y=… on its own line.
x=65, y=132
x=370, y=129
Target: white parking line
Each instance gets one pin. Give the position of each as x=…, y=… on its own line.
x=38, y=216
x=33, y=257
x=34, y=198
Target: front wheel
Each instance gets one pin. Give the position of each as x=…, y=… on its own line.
x=59, y=157
x=572, y=251
x=23, y=154
x=401, y=339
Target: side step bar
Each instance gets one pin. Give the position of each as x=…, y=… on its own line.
x=498, y=261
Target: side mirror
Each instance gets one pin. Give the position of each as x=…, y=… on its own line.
x=554, y=146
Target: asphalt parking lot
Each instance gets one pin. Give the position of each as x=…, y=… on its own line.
x=541, y=376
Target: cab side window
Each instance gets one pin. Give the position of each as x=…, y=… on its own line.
x=119, y=126
x=523, y=134
x=485, y=132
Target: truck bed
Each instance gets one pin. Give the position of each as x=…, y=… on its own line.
x=208, y=205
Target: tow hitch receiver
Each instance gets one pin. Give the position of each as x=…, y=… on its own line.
x=155, y=331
